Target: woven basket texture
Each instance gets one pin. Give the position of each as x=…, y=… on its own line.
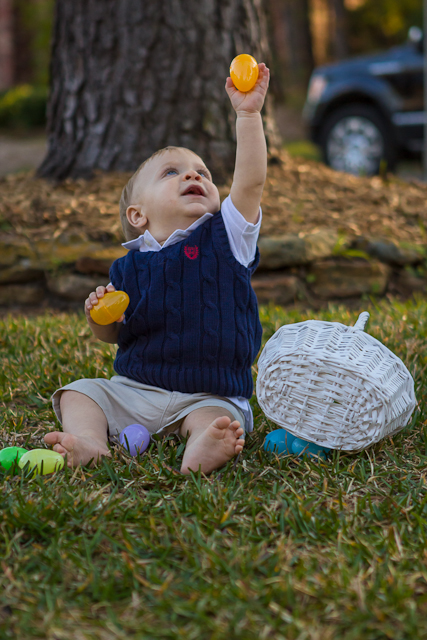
x=334, y=385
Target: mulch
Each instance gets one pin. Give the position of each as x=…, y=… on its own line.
x=300, y=197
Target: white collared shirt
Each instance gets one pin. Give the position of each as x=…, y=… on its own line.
x=242, y=236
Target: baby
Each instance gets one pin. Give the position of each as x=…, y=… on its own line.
x=191, y=332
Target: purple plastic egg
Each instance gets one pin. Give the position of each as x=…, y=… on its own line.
x=135, y=438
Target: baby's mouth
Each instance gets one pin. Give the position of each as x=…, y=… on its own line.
x=193, y=190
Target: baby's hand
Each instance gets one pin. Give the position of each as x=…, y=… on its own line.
x=253, y=100
x=93, y=298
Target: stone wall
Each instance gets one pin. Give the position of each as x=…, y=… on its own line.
x=311, y=268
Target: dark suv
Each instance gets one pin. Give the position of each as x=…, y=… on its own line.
x=369, y=109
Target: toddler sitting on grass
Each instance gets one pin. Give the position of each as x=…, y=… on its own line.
x=191, y=331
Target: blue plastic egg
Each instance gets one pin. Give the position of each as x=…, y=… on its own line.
x=279, y=442
x=302, y=447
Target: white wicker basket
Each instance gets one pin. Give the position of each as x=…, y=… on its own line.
x=334, y=385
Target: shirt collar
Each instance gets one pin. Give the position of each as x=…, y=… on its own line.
x=146, y=242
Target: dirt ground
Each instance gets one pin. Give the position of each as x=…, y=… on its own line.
x=300, y=197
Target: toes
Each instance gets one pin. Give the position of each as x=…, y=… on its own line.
x=240, y=443
x=222, y=423
x=237, y=429
x=225, y=423
x=52, y=437
x=60, y=449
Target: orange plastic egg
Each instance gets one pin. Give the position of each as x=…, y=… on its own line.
x=110, y=307
x=244, y=72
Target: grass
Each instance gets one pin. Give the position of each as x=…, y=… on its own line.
x=280, y=548
x=303, y=149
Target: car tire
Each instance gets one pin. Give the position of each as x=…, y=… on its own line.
x=357, y=139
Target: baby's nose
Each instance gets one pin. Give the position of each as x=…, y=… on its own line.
x=192, y=175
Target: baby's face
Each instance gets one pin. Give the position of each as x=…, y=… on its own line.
x=173, y=190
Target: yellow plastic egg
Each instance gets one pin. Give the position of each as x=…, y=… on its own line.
x=42, y=461
x=110, y=307
x=244, y=72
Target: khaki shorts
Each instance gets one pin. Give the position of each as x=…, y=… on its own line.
x=125, y=401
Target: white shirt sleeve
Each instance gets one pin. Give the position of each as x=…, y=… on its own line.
x=242, y=235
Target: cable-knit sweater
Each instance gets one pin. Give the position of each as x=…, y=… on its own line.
x=192, y=324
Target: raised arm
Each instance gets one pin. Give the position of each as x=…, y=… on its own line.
x=251, y=154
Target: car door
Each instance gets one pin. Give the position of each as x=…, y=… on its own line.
x=405, y=74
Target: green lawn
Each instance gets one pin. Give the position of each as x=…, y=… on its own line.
x=279, y=549
x=303, y=149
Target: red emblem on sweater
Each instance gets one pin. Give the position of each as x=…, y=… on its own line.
x=191, y=252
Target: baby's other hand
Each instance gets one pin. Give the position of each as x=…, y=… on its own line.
x=92, y=300
x=252, y=101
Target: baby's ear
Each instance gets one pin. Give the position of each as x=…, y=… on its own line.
x=136, y=216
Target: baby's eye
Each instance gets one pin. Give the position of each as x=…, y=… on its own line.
x=170, y=172
x=203, y=173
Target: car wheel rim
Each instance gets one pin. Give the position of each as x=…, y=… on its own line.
x=355, y=145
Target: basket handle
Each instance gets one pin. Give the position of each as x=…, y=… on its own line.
x=361, y=321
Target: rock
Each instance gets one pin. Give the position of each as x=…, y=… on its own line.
x=65, y=250
x=74, y=287
x=11, y=294
x=278, y=252
x=52, y=253
x=90, y=265
x=278, y=288
x=100, y=261
x=387, y=251
x=281, y=251
x=109, y=254
x=12, y=248
x=405, y=283
x=347, y=278
x=25, y=270
x=320, y=245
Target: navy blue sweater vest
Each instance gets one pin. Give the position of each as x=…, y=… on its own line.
x=192, y=323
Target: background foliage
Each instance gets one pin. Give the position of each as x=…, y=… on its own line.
x=378, y=24
x=33, y=27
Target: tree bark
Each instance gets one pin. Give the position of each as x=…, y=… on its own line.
x=6, y=44
x=22, y=59
x=293, y=46
x=130, y=77
x=340, y=31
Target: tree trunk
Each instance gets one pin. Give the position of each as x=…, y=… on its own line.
x=22, y=58
x=340, y=31
x=293, y=46
x=130, y=77
x=6, y=44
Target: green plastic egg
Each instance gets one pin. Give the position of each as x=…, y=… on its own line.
x=10, y=455
x=42, y=461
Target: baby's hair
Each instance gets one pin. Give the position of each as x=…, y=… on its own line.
x=129, y=231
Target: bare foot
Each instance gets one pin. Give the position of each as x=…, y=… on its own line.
x=79, y=449
x=215, y=446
